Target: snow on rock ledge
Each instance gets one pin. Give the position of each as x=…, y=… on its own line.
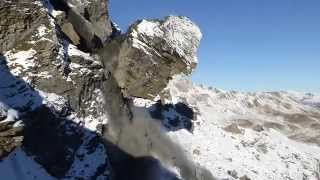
x=145, y=58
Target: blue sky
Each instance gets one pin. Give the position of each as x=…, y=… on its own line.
x=247, y=45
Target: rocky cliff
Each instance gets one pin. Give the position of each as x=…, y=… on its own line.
x=69, y=77
x=81, y=100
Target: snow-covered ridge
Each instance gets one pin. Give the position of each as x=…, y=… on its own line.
x=312, y=99
x=265, y=135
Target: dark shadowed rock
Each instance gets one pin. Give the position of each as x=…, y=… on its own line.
x=173, y=116
x=51, y=140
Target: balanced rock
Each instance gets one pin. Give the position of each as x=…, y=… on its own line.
x=152, y=51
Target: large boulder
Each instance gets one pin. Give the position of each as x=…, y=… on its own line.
x=152, y=51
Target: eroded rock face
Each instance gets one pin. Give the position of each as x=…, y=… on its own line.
x=96, y=12
x=18, y=20
x=145, y=58
x=50, y=63
x=54, y=87
x=85, y=23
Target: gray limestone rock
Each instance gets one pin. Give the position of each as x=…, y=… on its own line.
x=88, y=20
x=96, y=12
x=145, y=58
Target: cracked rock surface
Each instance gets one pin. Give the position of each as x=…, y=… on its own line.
x=144, y=59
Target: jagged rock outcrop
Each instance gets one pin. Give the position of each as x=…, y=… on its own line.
x=54, y=88
x=145, y=58
x=43, y=57
x=96, y=12
x=86, y=24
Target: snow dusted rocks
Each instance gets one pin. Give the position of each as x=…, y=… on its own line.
x=48, y=61
x=18, y=20
x=15, y=98
x=145, y=58
x=54, y=88
x=10, y=131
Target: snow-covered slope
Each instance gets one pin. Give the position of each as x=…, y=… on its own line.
x=265, y=135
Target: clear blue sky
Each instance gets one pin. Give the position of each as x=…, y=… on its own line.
x=248, y=45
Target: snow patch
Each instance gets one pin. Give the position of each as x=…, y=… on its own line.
x=74, y=51
x=20, y=61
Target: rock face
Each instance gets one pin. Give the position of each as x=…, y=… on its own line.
x=46, y=57
x=96, y=12
x=21, y=18
x=145, y=58
x=84, y=23
x=54, y=88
